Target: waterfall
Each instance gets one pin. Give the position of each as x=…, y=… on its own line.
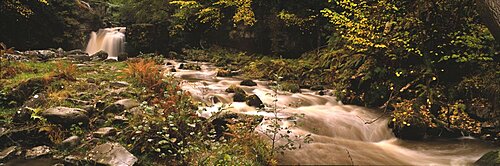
x=109, y=40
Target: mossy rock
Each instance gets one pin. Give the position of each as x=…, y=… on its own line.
x=290, y=87
x=254, y=101
x=490, y=158
x=248, y=82
x=224, y=73
x=234, y=89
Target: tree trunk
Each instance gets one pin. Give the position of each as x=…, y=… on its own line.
x=490, y=13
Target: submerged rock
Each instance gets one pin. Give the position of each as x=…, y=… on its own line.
x=248, y=83
x=491, y=158
x=66, y=116
x=112, y=154
x=37, y=152
x=254, y=101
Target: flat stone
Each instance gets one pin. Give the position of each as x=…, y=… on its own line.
x=120, y=119
x=65, y=115
x=112, y=154
x=119, y=84
x=37, y=152
x=104, y=132
x=6, y=153
x=71, y=141
x=122, y=105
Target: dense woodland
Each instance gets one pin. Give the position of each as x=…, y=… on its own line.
x=430, y=66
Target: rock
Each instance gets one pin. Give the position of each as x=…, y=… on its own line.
x=120, y=119
x=23, y=115
x=290, y=87
x=173, y=70
x=71, y=141
x=224, y=73
x=80, y=57
x=38, y=152
x=100, y=105
x=222, y=120
x=122, y=56
x=101, y=55
x=413, y=132
x=234, y=89
x=119, y=84
x=73, y=52
x=77, y=102
x=65, y=116
x=239, y=95
x=169, y=64
x=317, y=87
x=91, y=80
x=248, y=83
x=112, y=154
x=121, y=105
x=189, y=66
x=104, y=132
x=491, y=158
x=254, y=101
x=26, y=89
x=7, y=153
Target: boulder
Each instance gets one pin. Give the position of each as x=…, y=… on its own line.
x=65, y=116
x=80, y=57
x=248, y=83
x=38, y=152
x=73, y=52
x=221, y=121
x=234, y=89
x=239, y=95
x=112, y=154
x=121, y=105
x=104, y=132
x=317, y=87
x=224, y=73
x=101, y=55
x=26, y=89
x=254, y=101
x=491, y=158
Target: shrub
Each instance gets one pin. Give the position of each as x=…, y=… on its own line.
x=146, y=73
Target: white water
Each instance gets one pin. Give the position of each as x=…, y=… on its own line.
x=339, y=131
x=109, y=40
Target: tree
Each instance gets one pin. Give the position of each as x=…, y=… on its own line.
x=490, y=13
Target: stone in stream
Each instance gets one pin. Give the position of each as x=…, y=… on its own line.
x=101, y=55
x=121, y=105
x=65, y=116
x=491, y=158
x=112, y=154
x=254, y=101
x=248, y=83
x=37, y=152
x=104, y=132
x=239, y=96
x=7, y=153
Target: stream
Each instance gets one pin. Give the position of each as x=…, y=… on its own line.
x=339, y=132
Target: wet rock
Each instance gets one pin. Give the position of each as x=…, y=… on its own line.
x=239, y=96
x=104, y=132
x=491, y=158
x=248, y=83
x=317, y=87
x=112, y=154
x=254, y=101
x=7, y=153
x=119, y=84
x=234, y=89
x=221, y=121
x=38, y=152
x=121, y=105
x=173, y=70
x=181, y=66
x=189, y=66
x=169, y=64
x=71, y=141
x=122, y=56
x=101, y=55
x=224, y=73
x=66, y=116
x=413, y=132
